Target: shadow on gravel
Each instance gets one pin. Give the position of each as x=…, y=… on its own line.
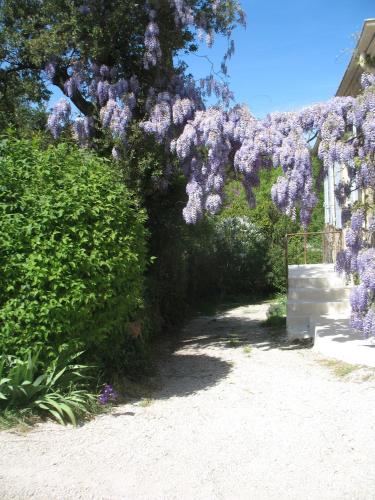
x=231, y=332
x=185, y=374
x=185, y=371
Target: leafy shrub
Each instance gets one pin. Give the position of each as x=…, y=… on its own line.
x=72, y=251
x=167, y=279
x=241, y=248
x=229, y=259
x=59, y=391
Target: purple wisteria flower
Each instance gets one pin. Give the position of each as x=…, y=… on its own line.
x=152, y=45
x=59, y=117
x=359, y=298
x=369, y=324
x=357, y=220
x=50, y=69
x=116, y=153
x=82, y=129
x=367, y=79
x=366, y=268
x=72, y=84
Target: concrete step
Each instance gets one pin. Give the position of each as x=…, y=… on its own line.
x=334, y=338
x=333, y=327
x=323, y=281
x=315, y=276
x=310, y=270
x=298, y=327
x=304, y=326
x=319, y=294
x=317, y=308
x=323, y=318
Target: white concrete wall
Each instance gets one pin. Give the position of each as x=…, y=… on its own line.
x=319, y=308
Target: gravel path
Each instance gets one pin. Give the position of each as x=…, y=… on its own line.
x=238, y=416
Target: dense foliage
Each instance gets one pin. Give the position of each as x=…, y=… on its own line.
x=227, y=259
x=59, y=390
x=72, y=251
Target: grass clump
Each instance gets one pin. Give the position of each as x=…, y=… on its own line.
x=247, y=349
x=340, y=368
x=146, y=402
x=19, y=420
x=276, y=314
x=233, y=340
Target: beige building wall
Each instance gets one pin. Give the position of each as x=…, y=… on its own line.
x=351, y=86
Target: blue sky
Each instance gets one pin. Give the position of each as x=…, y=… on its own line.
x=292, y=53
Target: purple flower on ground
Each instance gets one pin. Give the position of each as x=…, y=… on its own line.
x=107, y=395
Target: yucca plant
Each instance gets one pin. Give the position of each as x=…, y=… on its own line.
x=60, y=390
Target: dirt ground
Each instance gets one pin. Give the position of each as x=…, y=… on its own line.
x=239, y=414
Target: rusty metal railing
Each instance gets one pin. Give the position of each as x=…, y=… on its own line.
x=325, y=252
x=314, y=247
x=331, y=242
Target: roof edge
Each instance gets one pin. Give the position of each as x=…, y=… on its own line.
x=365, y=40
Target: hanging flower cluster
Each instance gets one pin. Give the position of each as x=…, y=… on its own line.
x=115, y=97
x=362, y=296
x=59, y=117
x=209, y=140
x=171, y=109
x=152, y=45
x=215, y=136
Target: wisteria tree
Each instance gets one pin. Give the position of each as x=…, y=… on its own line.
x=116, y=60
x=118, y=64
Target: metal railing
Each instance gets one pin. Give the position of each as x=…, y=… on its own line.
x=314, y=247
x=319, y=247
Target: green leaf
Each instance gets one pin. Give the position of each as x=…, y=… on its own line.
x=37, y=382
x=49, y=401
x=69, y=412
x=57, y=416
x=53, y=378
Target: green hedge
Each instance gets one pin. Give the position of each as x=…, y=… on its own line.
x=72, y=250
x=227, y=259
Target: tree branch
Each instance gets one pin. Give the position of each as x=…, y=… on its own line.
x=313, y=137
x=85, y=107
